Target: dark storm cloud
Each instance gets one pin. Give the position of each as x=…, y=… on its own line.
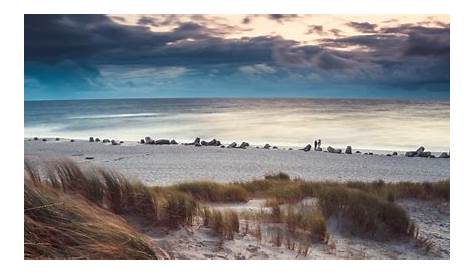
x=363, y=26
x=80, y=44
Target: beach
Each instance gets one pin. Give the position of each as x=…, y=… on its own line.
x=169, y=164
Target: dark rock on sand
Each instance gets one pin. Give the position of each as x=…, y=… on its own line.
x=420, y=150
x=162, y=142
x=244, y=145
x=57, y=139
x=97, y=139
x=394, y=153
x=142, y=141
x=358, y=152
x=91, y=139
x=89, y=158
x=307, y=148
x=44, y=140
x=115, y=143
x=233, y=145
x=348, y=150
x=370, y=153
x=267, y=146
x=275, y=147
x=204, y=143
x=222, y=146
x=410, y=153
x=290, y=148
x=36, y=139
x=173, y=142
x=72, y=140
x=444, y=155
x=388, y=154
x=149, y=141
x=330, y=149
x=121, y=142
x=106, y=141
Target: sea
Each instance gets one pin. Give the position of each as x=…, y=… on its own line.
x=361, y=123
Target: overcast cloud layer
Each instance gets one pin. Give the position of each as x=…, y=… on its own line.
x=100, y=56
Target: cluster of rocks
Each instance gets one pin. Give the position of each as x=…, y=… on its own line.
x=243, y=145
x=149, y=141
x=420, y=152
x=104, y=141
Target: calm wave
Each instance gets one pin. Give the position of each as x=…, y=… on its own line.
x=376, y=124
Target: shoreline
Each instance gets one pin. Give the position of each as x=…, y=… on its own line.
x=169, y=164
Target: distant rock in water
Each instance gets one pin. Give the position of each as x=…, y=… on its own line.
x=306, y=148
x=162, y=142
x=394, y=153
x=267, y=146
x=348, y=150
x=44, y=139
x=410, y=153
x=275, y=147
x=173, y=142
x=115, y=143
x=222, y=146
x=36, y=139
x=91, y=139
x=105, y=141
x=72, y=140
x=57, y=139
x=97, y=139
x=420, y=152
x=204, y=143
x=444, y=155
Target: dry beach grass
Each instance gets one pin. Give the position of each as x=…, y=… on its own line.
x=75, y=213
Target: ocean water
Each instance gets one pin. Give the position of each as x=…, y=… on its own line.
x=364, y=124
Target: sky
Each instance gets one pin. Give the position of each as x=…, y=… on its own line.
x=260, y=55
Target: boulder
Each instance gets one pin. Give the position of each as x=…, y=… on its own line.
x=142, y=141
x=425, y=154
x=213, y=142
x=57, y=139
x=267, y=146
x=275, y=147
x=204, y=143
x=173, y=142
x=44, y=139
x=89, y=158
x=149, y=141
x=444, y=155
x=162, y=142
x=410, y=153
x=72, y=140
x=121, y=142
x=222, y=146
x=348, y=150
x=197, y=141
x=244, y=145
x=307, y=148
x=233, y=145
x=91, y=139
x=115, y=143
x=420, y=151
x=358, y=152
x=105, y=141
x=97, y=139
x=331, y=149
x=290, y=148
x=36, y=139
x=370, y=153
x=388, y=154
x=394, y=153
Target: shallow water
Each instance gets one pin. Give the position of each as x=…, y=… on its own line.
x=375, y=124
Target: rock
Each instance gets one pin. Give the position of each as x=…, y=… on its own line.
x=197, y=144
x=213, y=142
x=91, y=139
x=97, y=139
x=89, y=158
x=275, y=147
x=105, y=141
x=444, y=155
x=36, y=139
x=233, y=145
x=149, y=141
x=370, y=153
x=173, y=142
x=244, y=145
x=420, y=151
x=44, y=140
x=162, y=142
x=121, y=142
x=424, y=154
x=331, y=149
x=197, y=141
x=358, y=152
x=57, y=139
x=348, y=150
x=431, y=156
x=115, y=143
x=290, y=148
x=204, y=143
x=388, y=154
x=394, y=153
x=307, y=148
x=72, y=140
x=267, y=146
x=222, y=146
x=142, y=141
x=218, y=143
x=410, y=153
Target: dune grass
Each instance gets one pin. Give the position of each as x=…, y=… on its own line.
x=72, y=212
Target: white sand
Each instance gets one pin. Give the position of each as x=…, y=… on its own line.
x=164, y=164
